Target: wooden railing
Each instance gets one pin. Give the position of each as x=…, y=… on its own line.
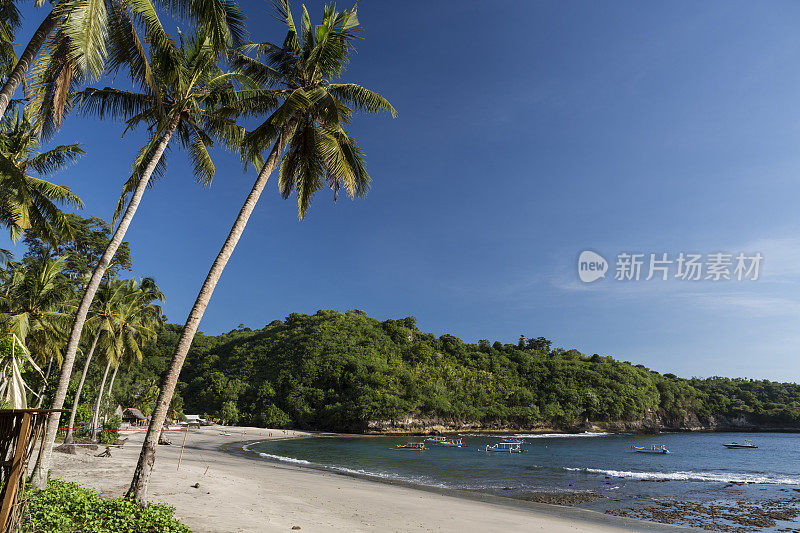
x=20, y=431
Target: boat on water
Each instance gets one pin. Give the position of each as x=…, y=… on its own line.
x=746, y=444
x=513, y=440
x=507, y=447
x=446, y=442
x=453, y=443
x=656, y=448
x=414, y=446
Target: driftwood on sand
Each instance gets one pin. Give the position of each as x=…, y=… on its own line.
x=106, y=453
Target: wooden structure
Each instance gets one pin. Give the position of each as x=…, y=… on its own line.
x=133, y=416
x=20, y=431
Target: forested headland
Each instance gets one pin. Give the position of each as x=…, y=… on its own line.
x=349, y=372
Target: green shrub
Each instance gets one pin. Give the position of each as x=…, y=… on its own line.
x=111, y=430
x=65, y=507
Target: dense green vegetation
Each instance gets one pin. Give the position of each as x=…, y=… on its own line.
x=69, y=508
x=339, y=371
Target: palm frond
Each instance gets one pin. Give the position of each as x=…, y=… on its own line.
x=86, y=31
x=202, y=164
x=361, y=99
x=53, y=160
x=115, y=104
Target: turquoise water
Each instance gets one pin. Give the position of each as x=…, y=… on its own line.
x=698, y=469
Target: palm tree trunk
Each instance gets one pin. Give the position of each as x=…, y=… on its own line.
x=96, y=417
x=68, y=439
x=113, y=377
x=40, y=475
x=44, y=383
x=147, y=457
x=26, y=59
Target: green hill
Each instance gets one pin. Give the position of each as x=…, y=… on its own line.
x=348, y=372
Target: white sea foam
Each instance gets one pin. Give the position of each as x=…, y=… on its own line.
x=343, y=469
x=724, y=477
x=285, y=459
x=561, y=435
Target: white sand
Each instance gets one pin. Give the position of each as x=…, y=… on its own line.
x=240, y=494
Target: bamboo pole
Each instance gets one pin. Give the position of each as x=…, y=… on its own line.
x=186, y=433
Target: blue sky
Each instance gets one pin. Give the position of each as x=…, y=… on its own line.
x=527, y=133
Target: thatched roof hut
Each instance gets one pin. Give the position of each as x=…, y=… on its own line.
x=132, y=415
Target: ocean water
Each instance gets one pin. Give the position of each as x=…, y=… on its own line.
x=699, y=470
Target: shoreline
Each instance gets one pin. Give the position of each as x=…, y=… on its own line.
x=217, y=491
x=555, y=510
x=554, y=431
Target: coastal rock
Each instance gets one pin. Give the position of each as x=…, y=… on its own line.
x=651, y=423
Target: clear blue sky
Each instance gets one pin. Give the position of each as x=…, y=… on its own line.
x=527, y=132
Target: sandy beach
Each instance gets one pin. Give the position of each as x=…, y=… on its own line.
x=237, y=493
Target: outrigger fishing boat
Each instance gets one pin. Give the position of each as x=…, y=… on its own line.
x=747, y=444
x=415, y=446
x=656, y=448
x=446, y=442
x=508, y=447
x=453, y=443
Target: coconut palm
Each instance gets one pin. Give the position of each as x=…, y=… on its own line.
x=306, y=133
x=190, y=86
x=99, y=322
x=34, y=306
x=28, y=202
x=33, y=309
x=78, y=38
x=151, y=316
x=10, y=20
x=134, y=320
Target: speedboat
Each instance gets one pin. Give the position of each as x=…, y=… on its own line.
x=415, y=446
x=747, y=444
x=513, y=440
x=508, y=447
x=656, y=448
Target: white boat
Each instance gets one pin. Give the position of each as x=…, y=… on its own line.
x=507, y=447
x=747, y=444
x=656, y=448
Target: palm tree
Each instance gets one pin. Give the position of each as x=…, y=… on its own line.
x=99, y=322
x=308, y=116
x=28, y=202
x=33, y=309
x=134, y=321
x=33, y=306
x=79, y=37
x=16, y=74
x=10, y=20
x=190, y=86
x=151, y=317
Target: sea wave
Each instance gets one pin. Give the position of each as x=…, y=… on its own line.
x=344, y=469
x=285, y=459
x=722, y=477
x=561, y=435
